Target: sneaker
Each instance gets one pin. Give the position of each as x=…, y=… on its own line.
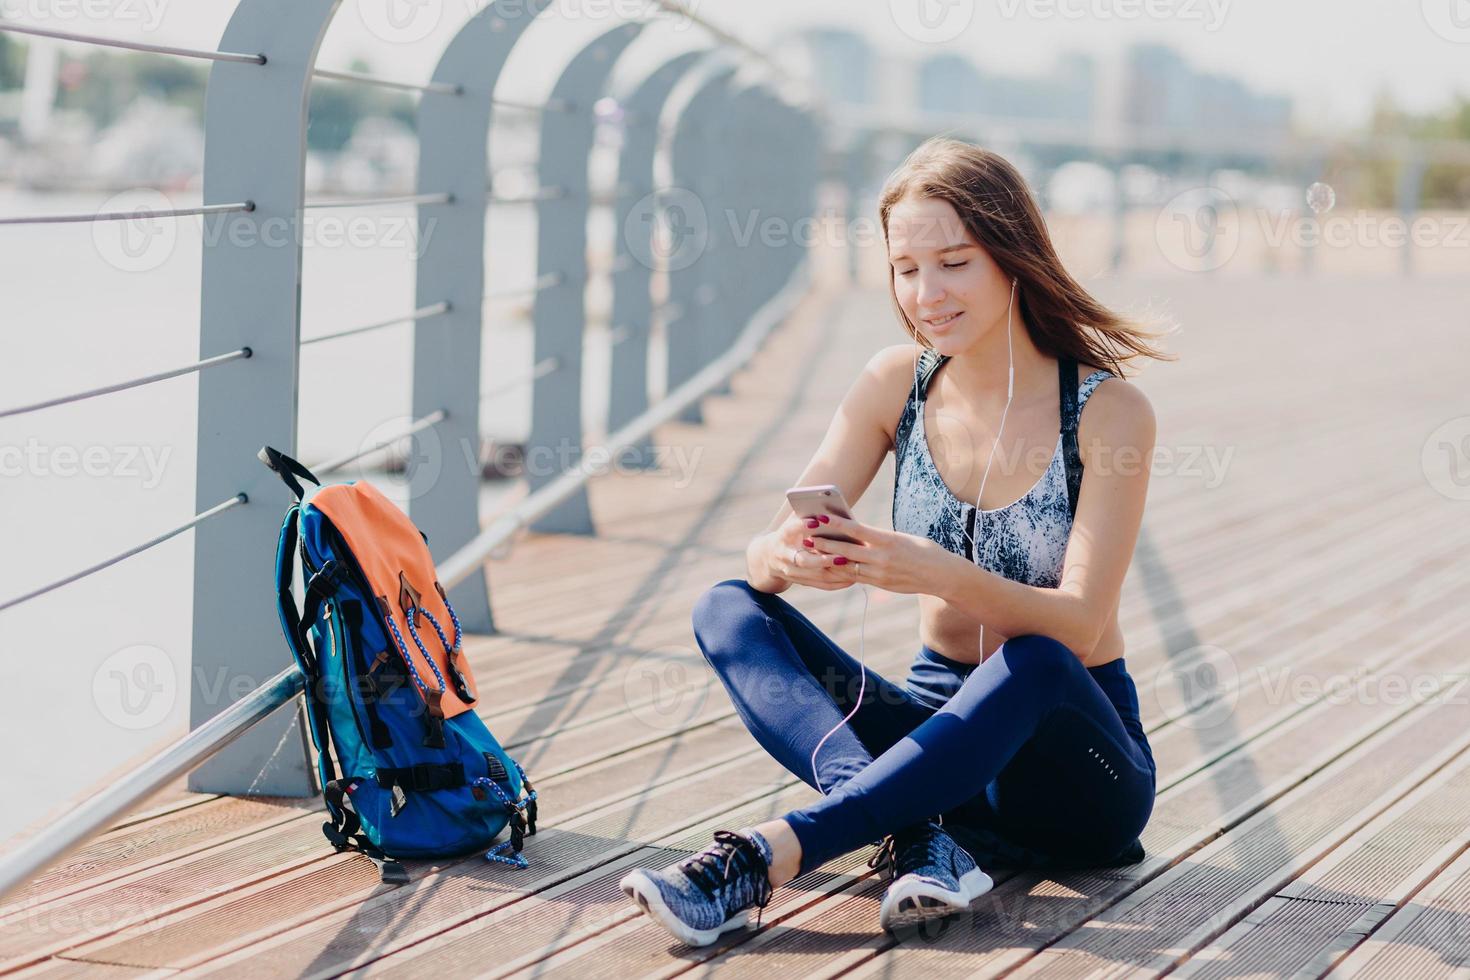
x=931, y=876
x=708, y=893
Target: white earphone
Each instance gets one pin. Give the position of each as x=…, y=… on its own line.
x=862, y=626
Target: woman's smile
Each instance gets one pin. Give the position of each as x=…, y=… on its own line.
x=941, y=324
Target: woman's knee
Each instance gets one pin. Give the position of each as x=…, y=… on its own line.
x=1038, y=655
x=723, y=610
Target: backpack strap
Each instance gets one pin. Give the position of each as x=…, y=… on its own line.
x=1071, y=455
x=424, y=777
x=287, y=469
x=345, y=832
x=300, y=643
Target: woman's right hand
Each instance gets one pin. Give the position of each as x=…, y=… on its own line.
x=781, y=557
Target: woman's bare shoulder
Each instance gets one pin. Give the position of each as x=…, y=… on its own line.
x=1117, y=412
x=888, y=378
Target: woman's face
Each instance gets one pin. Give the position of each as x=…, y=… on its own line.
x=949, y=287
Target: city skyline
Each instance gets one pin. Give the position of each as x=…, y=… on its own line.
x=1333, y=60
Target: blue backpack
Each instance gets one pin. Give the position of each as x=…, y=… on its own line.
x=392, y=701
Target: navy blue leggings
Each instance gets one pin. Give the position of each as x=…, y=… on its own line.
x=1029, y=747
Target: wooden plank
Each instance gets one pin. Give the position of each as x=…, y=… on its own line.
x=1187, y=906
x=1427, y=938
x=170, y=836
x=586, y=907
x=1306, y=926
x=431, y=904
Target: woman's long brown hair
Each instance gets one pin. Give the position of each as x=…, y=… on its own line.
x=992, y=199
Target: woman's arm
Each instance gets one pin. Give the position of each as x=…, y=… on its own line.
x=859, y=436
x=1116, y=438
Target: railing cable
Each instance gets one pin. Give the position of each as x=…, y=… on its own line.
x=422, y=313
x=12, y=27
x=53, y=219
x=332, y=465
x=540, y=369
x=442, y=88
x=208, y=362
x=362, y=202
x=542, y=282
x=219, y=508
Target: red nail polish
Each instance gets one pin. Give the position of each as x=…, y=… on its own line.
x=824, y=518
x=811, y=523
x=807, y=542
x=839, y=560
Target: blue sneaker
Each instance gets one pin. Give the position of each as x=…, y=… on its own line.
x=709, y=893
x=931, y=876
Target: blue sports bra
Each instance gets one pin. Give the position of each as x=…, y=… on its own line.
x=1026, y=540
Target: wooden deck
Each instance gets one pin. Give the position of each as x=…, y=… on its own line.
x=1313, y=820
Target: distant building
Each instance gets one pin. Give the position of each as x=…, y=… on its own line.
x=951, y=83
x=843, y=65
x=1163, y=92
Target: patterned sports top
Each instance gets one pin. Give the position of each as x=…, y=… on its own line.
x=1026, y=540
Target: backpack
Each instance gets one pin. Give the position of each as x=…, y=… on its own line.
x=389, y=693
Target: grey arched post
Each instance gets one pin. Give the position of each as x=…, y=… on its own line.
x=254, y=148
x=806, y=140
x=454, y=157
x=735, y=226
x=559, y=312
x=795, y=130
x=791, y=194
x=691, y=289
x=754, y=206
x=634, y=261
x=854, y=169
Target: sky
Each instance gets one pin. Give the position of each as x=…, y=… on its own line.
x=1333, y=57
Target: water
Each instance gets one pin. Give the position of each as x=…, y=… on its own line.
x=96, y=672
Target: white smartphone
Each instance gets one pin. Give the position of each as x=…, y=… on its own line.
x=821, y=499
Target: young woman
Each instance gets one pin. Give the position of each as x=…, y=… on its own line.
x=1016, y=738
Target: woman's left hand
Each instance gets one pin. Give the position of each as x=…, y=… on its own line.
x=891, y=560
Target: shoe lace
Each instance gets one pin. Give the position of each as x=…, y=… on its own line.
x=906, y=849
x=710, y=870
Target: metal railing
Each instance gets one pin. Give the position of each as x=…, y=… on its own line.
x=722, y=302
